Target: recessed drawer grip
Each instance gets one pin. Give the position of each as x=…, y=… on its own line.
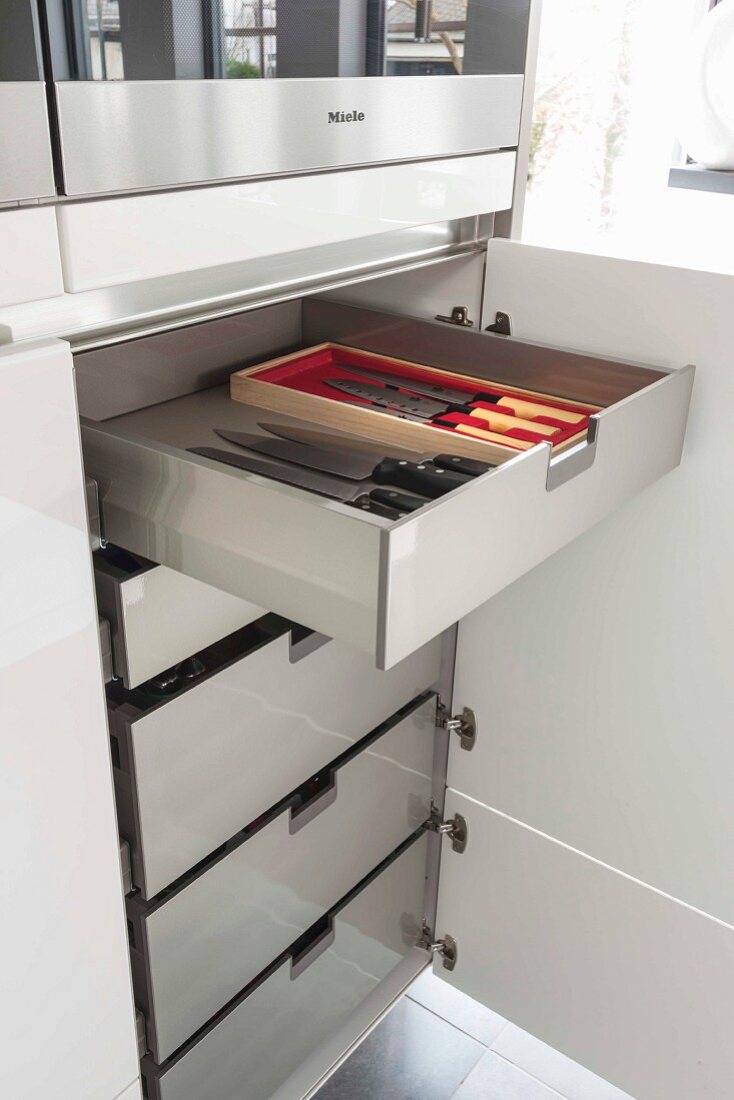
x=304, y=643
x=575, y=460
x=302, y=815
x=300, y=963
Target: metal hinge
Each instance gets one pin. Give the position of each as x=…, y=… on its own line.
x=464, y=724
x=446, y=947
x=459, y=316
x=456, y=828
x=502, y=324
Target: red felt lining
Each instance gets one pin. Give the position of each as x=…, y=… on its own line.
x=308, y=373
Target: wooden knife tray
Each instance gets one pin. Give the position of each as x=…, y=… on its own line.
x=294, y=385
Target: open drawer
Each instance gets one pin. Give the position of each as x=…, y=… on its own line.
x=383, y=586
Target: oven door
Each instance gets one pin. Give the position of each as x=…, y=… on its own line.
x=165, y=93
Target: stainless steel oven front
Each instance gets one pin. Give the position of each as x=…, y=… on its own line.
x=169, y=93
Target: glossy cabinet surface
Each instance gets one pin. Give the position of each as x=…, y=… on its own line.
x=262, y=1039
x=215, y=934
x=206, y=763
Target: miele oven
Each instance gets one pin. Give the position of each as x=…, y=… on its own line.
x=168, y=93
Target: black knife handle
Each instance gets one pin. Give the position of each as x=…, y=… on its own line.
x=468, y=466
x=423, y=478
x=404, y=502
x=366, y=504
x=490, y=398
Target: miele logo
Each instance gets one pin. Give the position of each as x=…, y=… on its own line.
x=346, y=116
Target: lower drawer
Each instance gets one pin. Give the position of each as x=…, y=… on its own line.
x=158, y=616
x=195, y=769
x=250, y=1050
x=194, y=951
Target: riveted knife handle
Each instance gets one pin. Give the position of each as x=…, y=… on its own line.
x=418, y=477
x=366, y=503
x=404, y=502
x=468, y=466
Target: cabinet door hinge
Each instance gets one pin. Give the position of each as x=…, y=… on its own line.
x=459, y=316
x=465, y=724
x=456, y=828
x=502, y=324
x=446, y=947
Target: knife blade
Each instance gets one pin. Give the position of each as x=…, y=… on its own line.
x=522, y=406
x=305, y=479
x=326, y=440
x=422, y=478
x=423, y=407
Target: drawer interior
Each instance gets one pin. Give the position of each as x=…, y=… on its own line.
x=347, y=573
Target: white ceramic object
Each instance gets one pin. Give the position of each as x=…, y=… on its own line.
x=706, y=110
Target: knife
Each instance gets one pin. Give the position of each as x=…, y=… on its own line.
x=355, y=465
x=468, y=466
x=416, y=477
x=522, y=406
x=304, y=479
x=423, y=407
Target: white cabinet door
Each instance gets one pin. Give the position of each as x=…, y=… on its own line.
x=593, y=905
x=68, y=1029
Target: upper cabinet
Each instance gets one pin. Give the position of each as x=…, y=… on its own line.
x=153, y=93
x=26, y=168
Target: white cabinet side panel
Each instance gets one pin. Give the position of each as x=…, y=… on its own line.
x=30, y=265
x=628, y=982
x=140, y=237
x=68, y=1029
x=603, y=679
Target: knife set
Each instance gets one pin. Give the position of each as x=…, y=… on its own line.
x=397, y=402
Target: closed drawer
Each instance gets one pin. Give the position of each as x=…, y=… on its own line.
x=197, y=949
x=193, y=770
x=159, y=617
x=254, y=1047
x=385, y=586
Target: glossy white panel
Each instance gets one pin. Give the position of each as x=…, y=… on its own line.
x=264, y=1038
x=159, y=617
x=210, y=761
x=26, y=168
x=68, y=1027
x=128, y=239
x=30, y=265
x=627, y=981
x=133, y=1093
x=216, y=935
x=605, y=674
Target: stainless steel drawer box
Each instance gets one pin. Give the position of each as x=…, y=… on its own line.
x=159, y=617
x=253, y=1047
x=195, y=769
x=196, y=949
x=385, y=587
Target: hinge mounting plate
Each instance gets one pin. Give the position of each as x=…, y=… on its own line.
x=446, y=947
x=502, y=324
x=464, y=724
x=455, y=828
x=459, y=316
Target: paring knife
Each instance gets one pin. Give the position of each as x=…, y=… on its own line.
x=304, y=479
x=521, y=405
x=351, y=444
x=416, y=477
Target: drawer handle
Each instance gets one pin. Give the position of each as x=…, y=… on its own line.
x=304, y=644
x=575, y=460
x=302, y=815
x=312, y=953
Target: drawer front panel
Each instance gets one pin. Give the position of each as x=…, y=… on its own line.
x=263, y=1039
x=209, y=762
x=209, y=940
x=387, y=587
x=160, y=617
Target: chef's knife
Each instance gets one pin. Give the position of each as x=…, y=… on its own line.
x=423, y=407
x=416, y=477
x=352, y=444
x=305, y=479
x=522, y=406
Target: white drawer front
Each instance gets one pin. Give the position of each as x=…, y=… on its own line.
x=265, y=1036
x=211, y=760
x=160, y=617
x=204, y=944
x=386, y=587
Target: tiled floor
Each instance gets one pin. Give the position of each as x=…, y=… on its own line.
x=437, y=1044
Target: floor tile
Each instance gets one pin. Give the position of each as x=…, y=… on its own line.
x=411, y=1055
x=553, y=1068
x=461, y=1011
x=496, y=1079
